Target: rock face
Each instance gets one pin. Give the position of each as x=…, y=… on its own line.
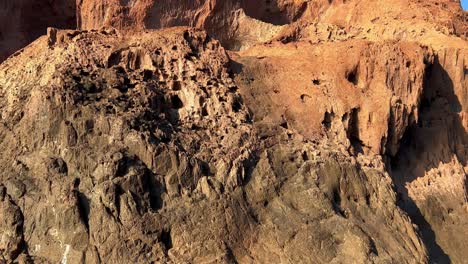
x=22, y=21
x=253, y=132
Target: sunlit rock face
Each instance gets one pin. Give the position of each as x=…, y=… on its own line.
x=233, y=131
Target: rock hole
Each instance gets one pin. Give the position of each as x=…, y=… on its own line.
x=89, y=126
x=176, y=103
x=236, y=105
x=147, y=75
x=76, y=78
x=367, y=199
x=122, y=168
x=205, y=169
x=204, y=112
x=166, y=239
x=284, y=125
x=186, y=35
x=327, y=120
x=114, y=59
x=352, y=76
x=76, y=183
x=233, y=89
x=316, y=81
x=303, y=97
x=176, y=86
x=59, y=166
x=304, y=155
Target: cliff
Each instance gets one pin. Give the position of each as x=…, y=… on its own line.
x=236, y=132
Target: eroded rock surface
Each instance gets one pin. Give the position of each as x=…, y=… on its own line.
x=277, y=132
x=146, y=143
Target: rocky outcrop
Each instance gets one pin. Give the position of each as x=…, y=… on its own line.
x=240, y=24
x=358, y=91
x=148, y=141
x=320, y=83
x=11, y=226
x=430, y=169
x=116, y=136
x=235, y=23
x=275, y=131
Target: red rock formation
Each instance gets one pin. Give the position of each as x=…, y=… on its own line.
x=22, y=21
x=372, y=93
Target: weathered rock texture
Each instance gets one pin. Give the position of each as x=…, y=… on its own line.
x=272, y=132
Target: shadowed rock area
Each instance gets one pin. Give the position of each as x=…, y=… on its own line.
x=22, y=21
x=234, y=132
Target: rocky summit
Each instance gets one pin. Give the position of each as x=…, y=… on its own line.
x=233, y=131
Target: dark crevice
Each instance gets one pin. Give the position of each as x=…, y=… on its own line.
x=58, y=165
x=353, y=131
x=166, y=239
x=328, y=119
x=83, y=208
x=155, y=189
x=284, y=125
x=337, y=203
x=249, y=166
x=118, y=192
x=373, y=247
x=147, y=75
x=304, y=96
x=237, y=105
x=176, y=102
x=231, y=256
x=352, y=76
x=122, y=167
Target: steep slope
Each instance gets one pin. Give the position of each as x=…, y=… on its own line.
x=143, y=151
x=406, y=103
